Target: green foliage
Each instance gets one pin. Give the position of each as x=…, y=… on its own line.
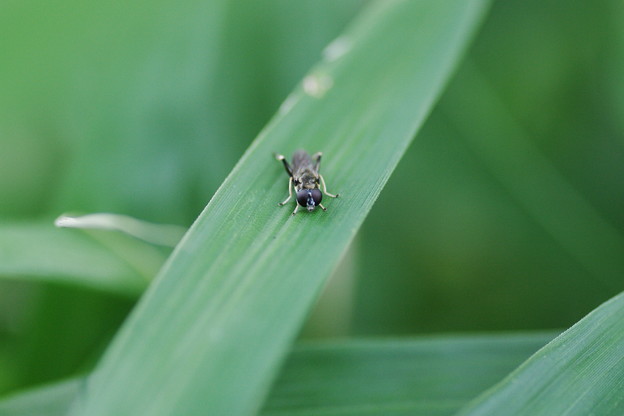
x=505, y=214
x=95, y=259
x=581, y=372
x=231, y=298
x=420, y=376
x=392, y=377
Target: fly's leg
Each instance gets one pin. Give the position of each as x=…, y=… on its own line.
x=296, y=208
x=317, y=164
x=289, y=193
x=325, y=188
x=317, y=160
x=282, y=159
x=322, y=207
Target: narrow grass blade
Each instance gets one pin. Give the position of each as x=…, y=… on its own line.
x=96, y=259
x=579, y=373
x=161, y=234
x=421, y=376
x=209, y=334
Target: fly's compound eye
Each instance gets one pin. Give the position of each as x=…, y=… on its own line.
x=302, y=197
x=317, y=196
x=309, y=198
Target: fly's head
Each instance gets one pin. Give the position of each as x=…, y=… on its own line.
x=308, y=193
x=309, y=198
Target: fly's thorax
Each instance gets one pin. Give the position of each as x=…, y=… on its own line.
x=307, y=180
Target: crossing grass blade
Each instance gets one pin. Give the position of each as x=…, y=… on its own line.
x=578, y=373
x=412, y=376
x=426, y=376
x=99, y=260
x=211, y=331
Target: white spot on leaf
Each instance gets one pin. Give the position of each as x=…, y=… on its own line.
x=317, y=84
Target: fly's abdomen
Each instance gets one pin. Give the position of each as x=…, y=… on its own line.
x=301, y=160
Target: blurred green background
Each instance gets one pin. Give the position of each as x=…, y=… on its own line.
x=507, y=212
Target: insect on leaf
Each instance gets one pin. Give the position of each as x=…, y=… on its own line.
x=211, y=331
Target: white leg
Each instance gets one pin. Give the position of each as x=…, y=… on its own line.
x=289, y=193
x=322, y=207
x=296, y=208
x=325, y=188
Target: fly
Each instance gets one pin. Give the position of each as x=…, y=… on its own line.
x=305, y=180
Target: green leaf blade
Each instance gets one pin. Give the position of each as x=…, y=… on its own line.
x=412, y=376
x=581, y=372
x=391, y=377
x=98, y=260
x=212, y=329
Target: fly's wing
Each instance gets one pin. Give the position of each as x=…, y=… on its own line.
x=301, y=163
